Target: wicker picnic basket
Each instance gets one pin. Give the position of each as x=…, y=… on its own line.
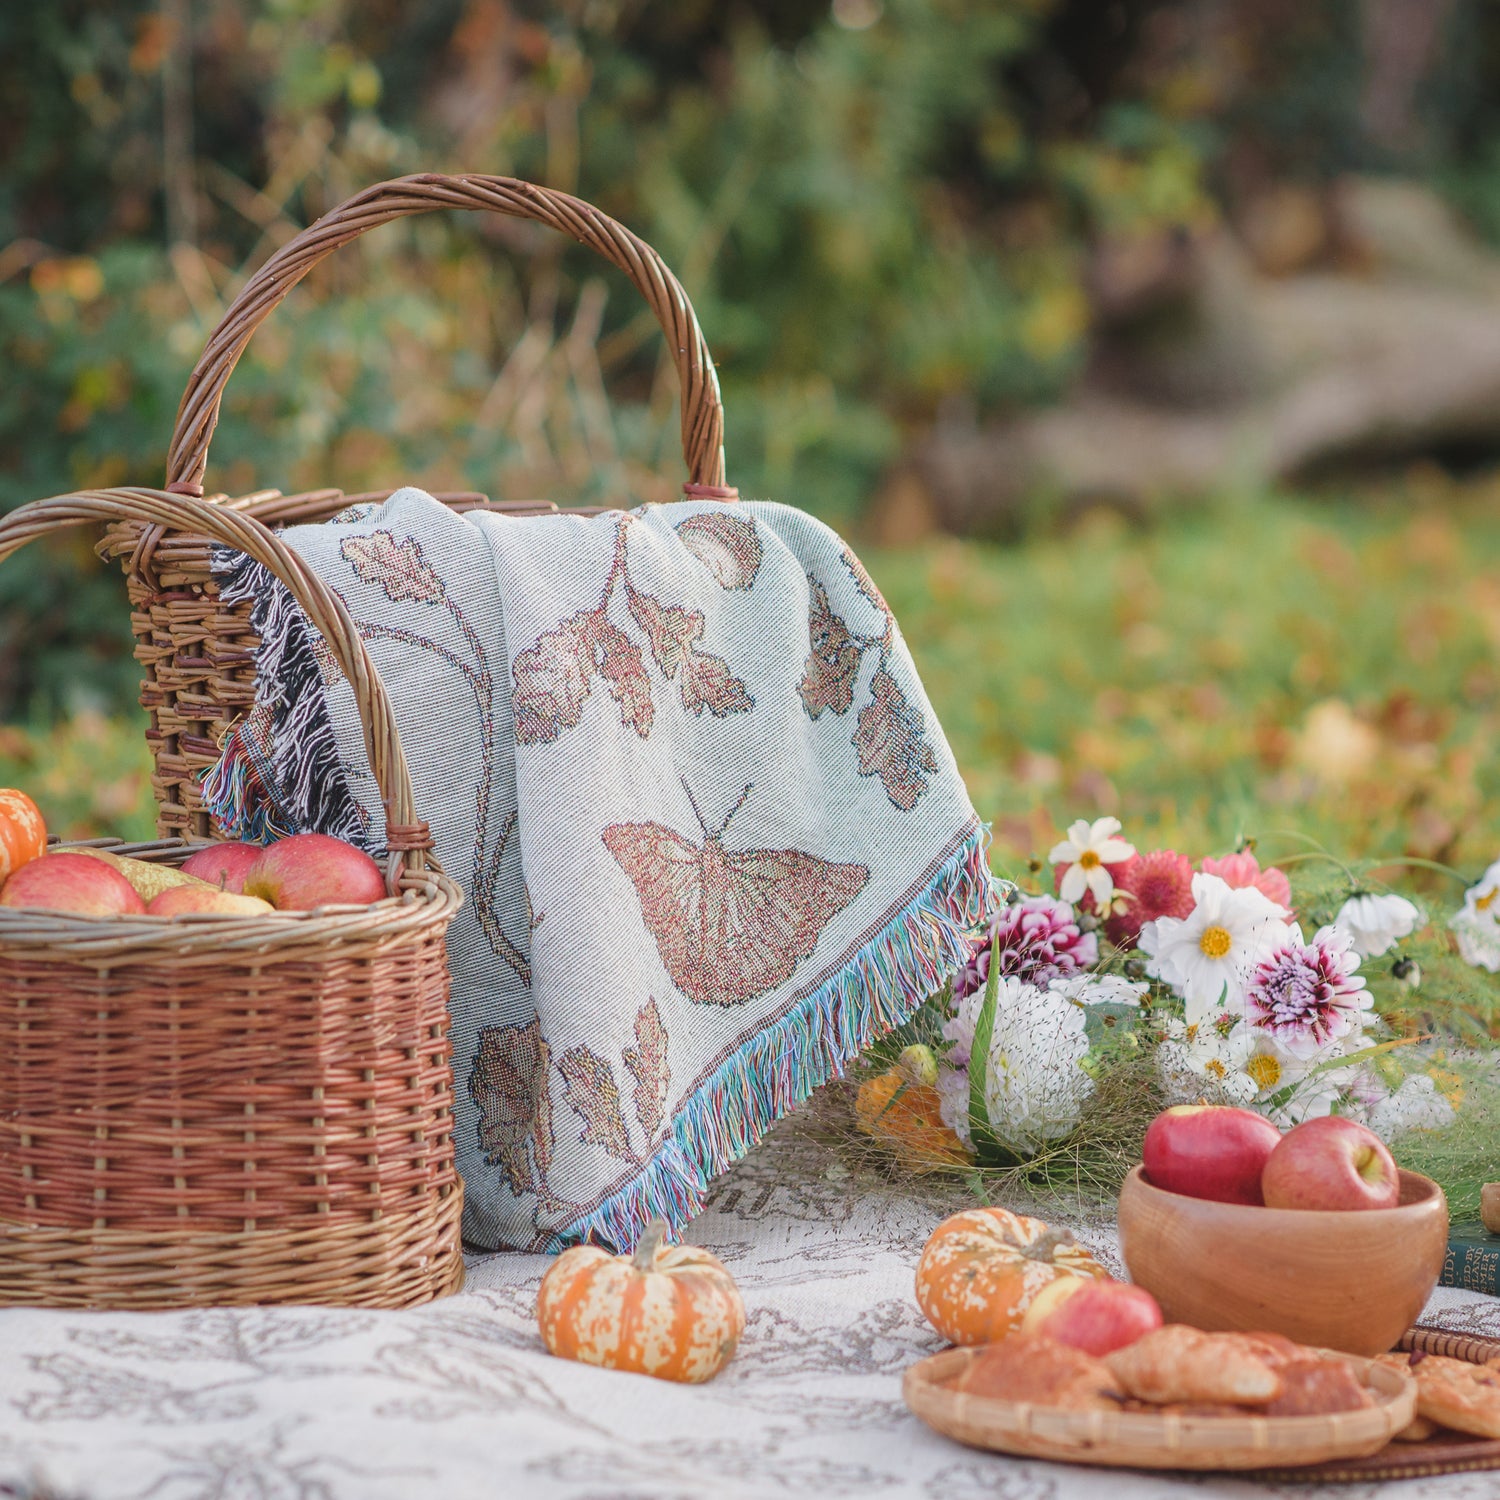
x=198, y=655
x=212, y=1109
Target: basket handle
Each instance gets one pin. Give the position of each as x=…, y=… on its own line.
x=407, y=837
x=702, y=412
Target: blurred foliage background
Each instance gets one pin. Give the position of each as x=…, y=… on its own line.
x=915, y=232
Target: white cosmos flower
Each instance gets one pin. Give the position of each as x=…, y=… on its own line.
x=1416, y=1105
x=1207, y=955
x=1088, y=848
x=1477, y=926
x=1199, y=1060
x=1375, y=924
x=1099, y=989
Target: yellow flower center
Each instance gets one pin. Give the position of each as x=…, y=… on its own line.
x=1214, y=1068
x=1089, y=860
x=1215, y=942
x=1484, y=902
x=1192, y=1032
x=1264, y=1070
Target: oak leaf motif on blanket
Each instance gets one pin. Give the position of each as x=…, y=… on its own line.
x=591, y=1091
x=397, y=566
x=647, y=1063
x=553, y=677
x=509, y=1084
x=729, y=924
x=890, y=735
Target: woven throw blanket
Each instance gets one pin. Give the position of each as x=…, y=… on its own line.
x=712, y=838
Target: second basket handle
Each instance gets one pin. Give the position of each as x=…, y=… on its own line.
x=702, y=412
x=407, y=836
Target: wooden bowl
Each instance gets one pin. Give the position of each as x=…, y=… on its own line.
x=1354, y=1281
x=1147, y=1440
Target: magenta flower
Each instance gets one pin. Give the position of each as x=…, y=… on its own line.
x=1307, y=995
x=1040, y=940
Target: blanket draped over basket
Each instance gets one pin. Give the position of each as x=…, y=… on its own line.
x=712, y=839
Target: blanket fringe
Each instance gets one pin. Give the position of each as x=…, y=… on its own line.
x=278, y=771
x=919, y=950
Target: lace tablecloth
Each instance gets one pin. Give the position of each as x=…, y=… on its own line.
x=459, y=1399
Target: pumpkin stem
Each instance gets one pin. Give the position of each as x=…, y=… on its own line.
x=1043, y=1246
x=649, y=1243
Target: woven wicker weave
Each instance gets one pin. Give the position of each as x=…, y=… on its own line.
x=210, y=1109
x=198, y=656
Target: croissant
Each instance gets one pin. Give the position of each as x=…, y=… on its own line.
x=1310, y=1387
x=1181, y=1364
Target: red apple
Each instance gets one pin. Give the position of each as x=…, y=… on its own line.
x=309, y=870
x=72, y=883
x=1208, y=1151
x=179, y=900
x=1331, y=1162
x=1095, y=1316
x=223, y=865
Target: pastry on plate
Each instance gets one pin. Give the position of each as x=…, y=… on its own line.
x=1452, y=1392
x=1025, y=1367
x=1178, y=1364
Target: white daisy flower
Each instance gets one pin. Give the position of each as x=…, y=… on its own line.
x=1375, y=924
x=1208, y=955
x=1271, y=1069
x=1035, y=1086
x=1199, y=1059
x=1088, y=848
x=1099, y=989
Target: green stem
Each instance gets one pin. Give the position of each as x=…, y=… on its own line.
x=649, y=1243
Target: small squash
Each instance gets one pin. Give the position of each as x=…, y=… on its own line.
x=671, y=1311
x=23, y=834
x=904, y=1115
x=981, y=1269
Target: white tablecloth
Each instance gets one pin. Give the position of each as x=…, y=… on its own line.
x=459, y=1400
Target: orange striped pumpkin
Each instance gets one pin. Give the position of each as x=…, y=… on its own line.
x=981, y=1269
x=672, y=1311
x=23, y=834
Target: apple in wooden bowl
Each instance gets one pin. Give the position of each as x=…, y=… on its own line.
x=1335, y=1279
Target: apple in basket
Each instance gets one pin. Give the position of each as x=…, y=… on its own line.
x=224, y=865
x=309, y=870
x=72, y=883
x=183, y=900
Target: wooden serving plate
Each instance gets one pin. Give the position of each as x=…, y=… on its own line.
x=1169, y=1440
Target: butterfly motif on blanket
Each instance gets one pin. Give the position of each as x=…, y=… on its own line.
x=729, y=924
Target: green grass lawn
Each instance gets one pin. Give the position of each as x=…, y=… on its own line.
x=1273, y=667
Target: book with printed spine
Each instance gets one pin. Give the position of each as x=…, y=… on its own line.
x=1473, y=1259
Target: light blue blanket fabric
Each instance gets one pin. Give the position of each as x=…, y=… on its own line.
x=679, y=759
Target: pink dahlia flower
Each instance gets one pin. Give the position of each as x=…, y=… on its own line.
x=1307, y=995
x=1158, y=884
x=1040, y=940
x=1242, y=870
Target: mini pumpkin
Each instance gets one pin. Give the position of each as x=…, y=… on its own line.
x=23, y=834
x=906, y=1119
x=672, y=1311
x=981, y=1269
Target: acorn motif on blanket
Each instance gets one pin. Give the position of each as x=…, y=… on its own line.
x=728, y=546
x=729, y=925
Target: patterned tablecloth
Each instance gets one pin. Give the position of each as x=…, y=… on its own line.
x=459, y=1399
